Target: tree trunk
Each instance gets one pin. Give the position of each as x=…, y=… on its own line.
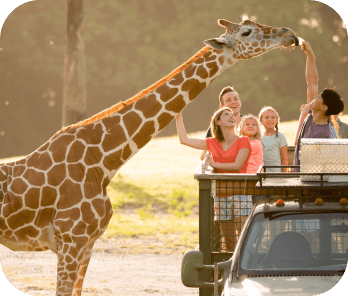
x=74, y=90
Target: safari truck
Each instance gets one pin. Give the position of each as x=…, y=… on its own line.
x=294, y=241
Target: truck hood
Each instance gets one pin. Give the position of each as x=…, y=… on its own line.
x=287, y=286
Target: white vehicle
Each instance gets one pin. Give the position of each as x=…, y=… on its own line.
x=288, y=246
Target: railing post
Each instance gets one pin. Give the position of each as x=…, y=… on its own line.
x=205, y=225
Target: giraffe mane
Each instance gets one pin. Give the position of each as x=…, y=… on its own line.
x=119, y=106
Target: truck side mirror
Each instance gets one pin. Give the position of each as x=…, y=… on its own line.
x=191, y=269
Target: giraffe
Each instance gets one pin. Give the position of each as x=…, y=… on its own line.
x=55, y=198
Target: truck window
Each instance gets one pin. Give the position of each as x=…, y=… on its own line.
x=296, y=241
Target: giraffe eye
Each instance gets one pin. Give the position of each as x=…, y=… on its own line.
x=247, y=33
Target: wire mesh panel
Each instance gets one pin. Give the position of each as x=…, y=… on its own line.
x=297, y=241
x=232, y=201
x=308, y=228
x=229, y=198
x=339, y=236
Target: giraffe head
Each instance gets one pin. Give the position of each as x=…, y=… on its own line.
x=249, y=39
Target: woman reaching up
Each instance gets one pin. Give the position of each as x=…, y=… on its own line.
x=228, y=153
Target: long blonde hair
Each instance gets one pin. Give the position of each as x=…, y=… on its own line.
x=257, y=136
x=269, y=108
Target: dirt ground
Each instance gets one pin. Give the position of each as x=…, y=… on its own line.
x=125, y=271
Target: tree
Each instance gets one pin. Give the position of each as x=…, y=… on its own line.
x=74, y=90
x=131, y=44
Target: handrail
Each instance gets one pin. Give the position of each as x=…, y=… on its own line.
x=264, y=175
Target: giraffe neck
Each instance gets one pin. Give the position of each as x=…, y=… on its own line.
x=137, y=123
x=83, y=158
x=99, y=146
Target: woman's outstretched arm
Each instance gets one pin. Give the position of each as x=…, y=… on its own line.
x=311, y=72
x=185, y=140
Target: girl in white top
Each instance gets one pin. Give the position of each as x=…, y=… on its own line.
x=274, y=142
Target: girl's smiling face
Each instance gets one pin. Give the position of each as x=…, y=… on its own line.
x=269, y=119
x=250, y=127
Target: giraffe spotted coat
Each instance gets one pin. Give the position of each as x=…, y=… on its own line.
x=56, y=198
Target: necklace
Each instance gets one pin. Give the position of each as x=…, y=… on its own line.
x=226, y=145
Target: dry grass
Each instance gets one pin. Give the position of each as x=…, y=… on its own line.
x=163, y=157
x=155, y=188
x=32, y=284
x=166, y=157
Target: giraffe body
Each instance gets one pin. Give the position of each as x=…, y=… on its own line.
x=55, y=198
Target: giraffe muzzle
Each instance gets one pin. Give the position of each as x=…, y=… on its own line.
x=295, y=40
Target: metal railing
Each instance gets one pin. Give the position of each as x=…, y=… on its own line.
x=219, y=227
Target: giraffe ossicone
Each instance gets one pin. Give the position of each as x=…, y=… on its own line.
x=56, y=198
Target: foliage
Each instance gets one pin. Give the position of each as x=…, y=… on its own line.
x=131, y=44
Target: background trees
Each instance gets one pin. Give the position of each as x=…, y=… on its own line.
x=131, y=44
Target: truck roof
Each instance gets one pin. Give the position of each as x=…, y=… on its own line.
x=305, y=204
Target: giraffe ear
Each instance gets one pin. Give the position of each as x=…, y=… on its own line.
x=228, y=25
x=216, y=43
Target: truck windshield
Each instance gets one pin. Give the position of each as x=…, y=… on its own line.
x=296, y=242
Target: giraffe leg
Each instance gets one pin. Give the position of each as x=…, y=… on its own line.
x=82, y=272
x=70, y=257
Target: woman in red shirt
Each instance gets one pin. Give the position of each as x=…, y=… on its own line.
x=229, y=153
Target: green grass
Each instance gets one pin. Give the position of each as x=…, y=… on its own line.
x=177, y=195
x=155, y=193
x=154, y=205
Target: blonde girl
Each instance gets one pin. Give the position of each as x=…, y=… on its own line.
x=274, y=142
x=250, y=127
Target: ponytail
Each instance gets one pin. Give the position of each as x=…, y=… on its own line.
x=331, y=119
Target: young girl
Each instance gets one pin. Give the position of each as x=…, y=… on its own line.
x=274, y=142
x=249, y=126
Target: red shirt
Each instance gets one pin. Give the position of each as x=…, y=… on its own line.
x=221, y=156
